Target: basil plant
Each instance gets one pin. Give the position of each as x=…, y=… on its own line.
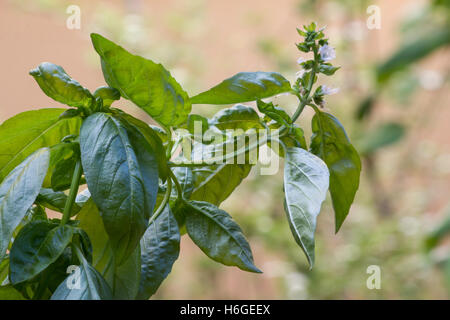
x=127, y=191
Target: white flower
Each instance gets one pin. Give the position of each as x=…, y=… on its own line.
x=300, y=60
x=328, y=91
x=327, y=53
x=299, y=74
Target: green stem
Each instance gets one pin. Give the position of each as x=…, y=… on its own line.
x=304, y=100
x=72, y=193
x=177, y=185
x=163, y=203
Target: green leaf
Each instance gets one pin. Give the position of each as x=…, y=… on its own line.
x=305, y=186
x=160, y=247
x=58, y=85
x=382, y=136
x=9, y=293
x=237, y=117
x=55, y=200
x=122, y=177
x=124, y=279
x=193, y=123
x=127, y=277
x=220, y=238
x=274, y=112
x=37, y=246
x=412, y=52
x=331, y=144
x=18, y=192
x=244, y=87
x=63, y=159
x=102, y=255
x=108, y=95
x=153, y=139
x=215, y=183
x=90, y=285
x=149, y=85
x=28, y=131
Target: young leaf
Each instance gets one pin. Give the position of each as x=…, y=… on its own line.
x=244, y=87
x=86, y=284
x=122, y=177
x=18, y=192
x=108, y=95
x=274, y=112
x=160, y=247
x=220, y=238
x=37, y=246
x=28, y=131
x=58, y=85
x=149, y=85
x=331, y=144
x=305, y=186
x=237, y=117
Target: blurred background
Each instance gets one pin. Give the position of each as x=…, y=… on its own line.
x=393, y=101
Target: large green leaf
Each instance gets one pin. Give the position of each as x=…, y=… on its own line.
x=28, y=131
x=102, y=255
x=37, y=246
x=160, y=247
x=153, y=139
x=413, y=52
x=305, y=185
x=122, y=177
x=220, y=238
x=124, y=279
x=149, y=85
x=243, y=87
x=85, y=283
x=215, y=183
x=18, y=192
x=331, y=144
x=58, y=85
